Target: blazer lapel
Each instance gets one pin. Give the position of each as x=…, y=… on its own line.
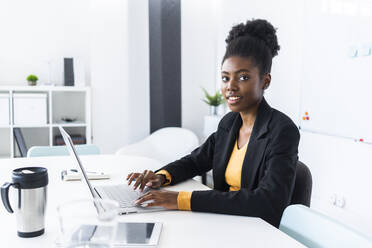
x=257, y=145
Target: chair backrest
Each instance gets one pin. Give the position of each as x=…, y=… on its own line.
x=316, y=230
x=166, y=145
x=45, y=151
x=303, y=185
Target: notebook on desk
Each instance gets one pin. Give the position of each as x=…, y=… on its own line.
x=122, y=193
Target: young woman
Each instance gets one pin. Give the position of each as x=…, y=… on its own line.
x=253, y=153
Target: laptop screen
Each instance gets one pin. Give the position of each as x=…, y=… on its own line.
x=73, y=153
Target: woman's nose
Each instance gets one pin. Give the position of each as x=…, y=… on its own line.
x=231, y=84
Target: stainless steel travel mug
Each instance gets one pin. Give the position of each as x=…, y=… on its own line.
x=30, y=193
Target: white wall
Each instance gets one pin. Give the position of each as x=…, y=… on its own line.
x=120, y=73
x=36, y=33
x=198, y=51
x=139, y=71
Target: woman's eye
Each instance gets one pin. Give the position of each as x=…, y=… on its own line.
x=243, y=78
x=225, y=79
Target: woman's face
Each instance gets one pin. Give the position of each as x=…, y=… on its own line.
x=242, y=85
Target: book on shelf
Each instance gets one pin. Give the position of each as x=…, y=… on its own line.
x=18, y=136
x=77, y=139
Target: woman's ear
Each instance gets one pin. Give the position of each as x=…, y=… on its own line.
x=266, y=81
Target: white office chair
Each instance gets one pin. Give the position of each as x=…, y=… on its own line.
x=166, y=145
x=316, y=230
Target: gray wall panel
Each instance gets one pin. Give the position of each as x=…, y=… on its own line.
x=165, y=63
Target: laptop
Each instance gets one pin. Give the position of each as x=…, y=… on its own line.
x=122, y=193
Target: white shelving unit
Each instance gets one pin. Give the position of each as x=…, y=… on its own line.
x=71, y=102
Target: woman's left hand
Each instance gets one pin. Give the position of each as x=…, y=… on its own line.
x=163, y=198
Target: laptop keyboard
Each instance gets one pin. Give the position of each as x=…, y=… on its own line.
x=121, y=193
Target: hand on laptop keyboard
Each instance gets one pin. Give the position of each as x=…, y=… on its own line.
x=162, y=198
x=147, y=178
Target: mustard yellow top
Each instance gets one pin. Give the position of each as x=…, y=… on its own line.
x=233, y=172
x=233, y=176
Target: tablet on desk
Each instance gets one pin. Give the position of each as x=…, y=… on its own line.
x=138, y=234
x=128, y=234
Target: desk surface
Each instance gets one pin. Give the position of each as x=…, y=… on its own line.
x=180, y=228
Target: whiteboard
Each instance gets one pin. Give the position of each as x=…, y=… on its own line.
x=336, y=87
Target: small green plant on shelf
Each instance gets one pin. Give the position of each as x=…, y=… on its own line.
x=213, y=100
x=32, y=79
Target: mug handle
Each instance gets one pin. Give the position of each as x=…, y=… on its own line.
x=5, y=196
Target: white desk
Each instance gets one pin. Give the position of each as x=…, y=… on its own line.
x=180, y=228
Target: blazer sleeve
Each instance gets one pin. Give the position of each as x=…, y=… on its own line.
x=274, y=190
x=196, y=163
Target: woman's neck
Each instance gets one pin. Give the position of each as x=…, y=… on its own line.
x=249, y=117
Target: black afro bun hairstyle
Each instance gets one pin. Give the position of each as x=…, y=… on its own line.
x=256, y=39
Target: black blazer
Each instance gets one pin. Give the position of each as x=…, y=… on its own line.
x=268, y=172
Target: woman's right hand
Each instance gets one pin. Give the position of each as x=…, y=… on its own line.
x=147, y=178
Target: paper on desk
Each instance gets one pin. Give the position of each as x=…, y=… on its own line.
x=68, y=175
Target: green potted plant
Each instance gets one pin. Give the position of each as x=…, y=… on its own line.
x=32, y=80
x=213, y=101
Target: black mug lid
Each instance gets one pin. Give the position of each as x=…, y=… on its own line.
x=30, y=177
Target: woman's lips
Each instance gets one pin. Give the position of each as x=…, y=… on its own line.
x=233, y=99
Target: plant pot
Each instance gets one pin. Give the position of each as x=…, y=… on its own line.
x=32, y=83
x=213, y=110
